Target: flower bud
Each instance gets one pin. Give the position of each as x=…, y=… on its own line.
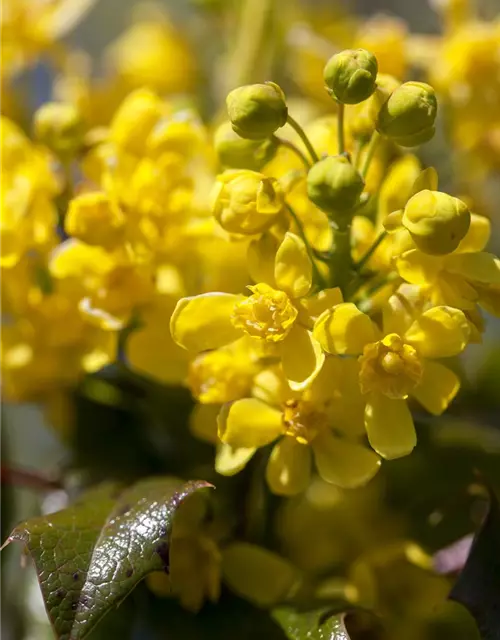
x=60, y=127
x=408, y=115
x=246, y=202
x=135, y=119
x=257, y=110
x=437, y=222
x=350, y=75
x=334, y=185
x=241, y=153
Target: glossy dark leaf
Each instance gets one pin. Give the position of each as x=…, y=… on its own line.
x=311, y=625
x=478, y=586
x=90, y=556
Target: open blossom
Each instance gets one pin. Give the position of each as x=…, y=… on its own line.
x=277, y=313
x=397, y=363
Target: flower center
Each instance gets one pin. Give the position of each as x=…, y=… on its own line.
x=302, y=420
x=267, y=314
x=219, y=376
x=390, y=366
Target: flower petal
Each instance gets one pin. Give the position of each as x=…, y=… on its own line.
x=389, y=426
x=323, y=300
x=478, y=235
x=289, y=467
x=229, y=461
x=249, y=423
x=151, y=350
x=204, y=322
x=301, y=357
x=440, y=332
x=203, y=422
x=437, y=389
x=478, y=267
x=418, y=268
x=261, y=255
x=344, y=463
x=344, y=330
x=293, y=268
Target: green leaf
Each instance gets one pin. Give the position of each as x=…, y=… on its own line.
x=311, y=625
x=90, y=556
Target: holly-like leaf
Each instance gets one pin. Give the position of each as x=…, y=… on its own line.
x=478, y=586
x=90, y=556
x=311, y=625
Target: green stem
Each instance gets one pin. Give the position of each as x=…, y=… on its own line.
x=340, y=128
x=318, y=278
x=356, y=156
x=372, y=146
x=300, y=132
x=341, y=258
x=295, y=149
x=359, y=265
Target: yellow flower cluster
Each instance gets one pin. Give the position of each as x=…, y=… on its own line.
x=294, y=266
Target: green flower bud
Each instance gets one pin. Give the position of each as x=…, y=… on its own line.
x=60, y=127
x=334, y=185
x=351, y=75
x=257, y=110
x=408, y=115
x=235, y=152
x=437, y=222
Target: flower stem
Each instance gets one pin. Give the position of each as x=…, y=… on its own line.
x=318, y=278
x=340, y=128
x=341, y=258
x=372, y=146
x=300, y=132
x=295, y=149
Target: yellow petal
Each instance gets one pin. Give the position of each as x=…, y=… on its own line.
x=398, y=313
x=427, y=179
x=289, y=467
x=249, y=423
x=344, y=330
x=478, y=235
x=293, y=268
x=301, y=357
x=229, y=461
x=261, y=254
x=389, y=426
x=489, y=299
x=203, y=422
x=393, y=221
x=204, y=322
x=343, y=463
x=440, y=332
x=476, y=267
x=437, y=389
x=321, y=301
x=259, y=575
x=151, y=350
x=418, y=268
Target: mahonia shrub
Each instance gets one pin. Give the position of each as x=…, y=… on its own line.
x=292, y=292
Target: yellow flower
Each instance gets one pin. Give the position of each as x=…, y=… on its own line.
x=462, y=279
x=246, y=202
x=397, y=364
x=300, y=423
x=135, y=119
x=386, y=38
x=278, y=313
x=153, y=53
x=224, y=374
x=95, y=219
